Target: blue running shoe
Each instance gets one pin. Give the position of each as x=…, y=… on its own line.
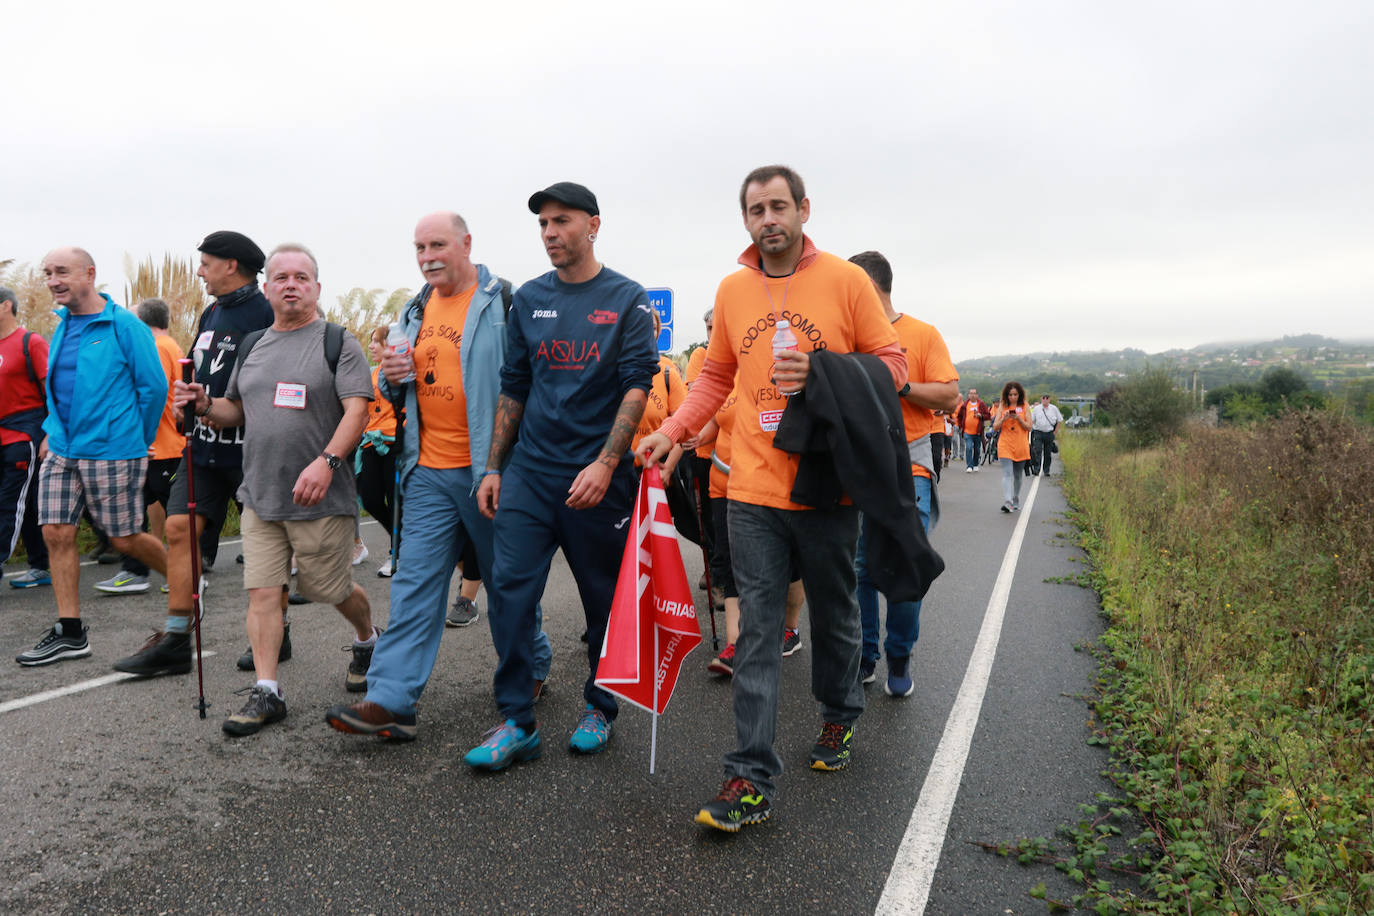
x=505, y=744
x=592, y=732
x=31, y=579
x=899, y=682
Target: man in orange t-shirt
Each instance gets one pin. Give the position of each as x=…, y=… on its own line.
x=971, y=417
x=932, y=384
x=163, y=456
x=449, y=382
x=829, y=304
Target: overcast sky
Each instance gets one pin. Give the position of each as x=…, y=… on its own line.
x=1043, y=175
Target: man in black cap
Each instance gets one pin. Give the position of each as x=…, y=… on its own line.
x=580, y=357
x=229, y=266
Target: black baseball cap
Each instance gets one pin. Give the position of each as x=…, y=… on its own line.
x=567, y=193
x=227, y=244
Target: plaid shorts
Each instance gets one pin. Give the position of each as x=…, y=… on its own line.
x=112, y=490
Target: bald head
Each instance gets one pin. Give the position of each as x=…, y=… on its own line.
x=443, y=249
x=70, y=275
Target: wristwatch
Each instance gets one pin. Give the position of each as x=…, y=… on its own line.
x=905, y=390
x=334, y=461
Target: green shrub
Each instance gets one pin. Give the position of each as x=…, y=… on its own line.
x=1146, y=409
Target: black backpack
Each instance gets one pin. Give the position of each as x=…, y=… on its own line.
x=333, y=345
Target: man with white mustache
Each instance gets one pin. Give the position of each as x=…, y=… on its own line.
x=449, y=380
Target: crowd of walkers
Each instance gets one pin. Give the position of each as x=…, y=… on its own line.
x=498, y=425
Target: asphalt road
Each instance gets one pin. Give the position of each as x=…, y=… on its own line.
x=119, y=799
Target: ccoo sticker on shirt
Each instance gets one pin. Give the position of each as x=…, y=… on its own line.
x=769, y=419
x=290, y=395
x=204, y=340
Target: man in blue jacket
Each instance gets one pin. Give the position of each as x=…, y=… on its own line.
x=106, y=391
x=450, y=379
x=580, y=358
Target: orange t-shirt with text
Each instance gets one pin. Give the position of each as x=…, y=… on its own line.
x=927, y=360
x=665, y=395
x=169, y=442
x=1014, y=442
x=439, y=382
x=832, y=306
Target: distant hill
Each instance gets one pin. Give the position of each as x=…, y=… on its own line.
x=1323, y=361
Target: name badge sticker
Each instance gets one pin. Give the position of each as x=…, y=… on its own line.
x=289, y=395
x=769, y=419
x=204, y=340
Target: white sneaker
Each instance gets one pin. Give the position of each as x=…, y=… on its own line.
x=968, y=470
x=359, y=553
x=384, y=571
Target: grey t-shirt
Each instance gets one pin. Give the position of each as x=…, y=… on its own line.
x=291, y=407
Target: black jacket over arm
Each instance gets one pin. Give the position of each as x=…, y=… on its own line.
x=847, y=426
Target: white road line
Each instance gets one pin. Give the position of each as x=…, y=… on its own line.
x=913, y=869
x=78, y=687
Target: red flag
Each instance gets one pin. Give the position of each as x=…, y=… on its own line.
x=653, y=621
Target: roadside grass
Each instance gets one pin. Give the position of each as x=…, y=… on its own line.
x=1236, y=693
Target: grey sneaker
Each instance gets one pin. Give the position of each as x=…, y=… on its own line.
x=54, y=647
x=464, y=612
x=123, y=583
x=263, y=708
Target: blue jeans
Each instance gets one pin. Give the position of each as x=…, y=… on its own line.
x=903, y=617
x=972, y=443
x=764, y=543
x=440, y=516
x=532, y=522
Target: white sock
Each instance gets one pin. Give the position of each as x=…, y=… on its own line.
x=272, y=686
x=372, y=641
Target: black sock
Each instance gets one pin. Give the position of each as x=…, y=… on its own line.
x=70, y=626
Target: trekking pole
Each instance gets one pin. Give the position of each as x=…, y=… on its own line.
x=188, y=423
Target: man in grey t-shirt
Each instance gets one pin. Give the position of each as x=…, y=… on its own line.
x=298, y=494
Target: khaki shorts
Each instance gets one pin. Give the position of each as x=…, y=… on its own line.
x=323, y=548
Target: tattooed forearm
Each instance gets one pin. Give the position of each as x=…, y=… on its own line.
x=507, y=422
x=623, y=429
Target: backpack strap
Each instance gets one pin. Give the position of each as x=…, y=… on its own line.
x=245, y=345
x=507, y=294
x=40, y=384
x=333, y=345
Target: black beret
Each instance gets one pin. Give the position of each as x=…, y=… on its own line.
x=236, y=245
x=568, y=194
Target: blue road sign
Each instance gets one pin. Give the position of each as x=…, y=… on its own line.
x=662, y=301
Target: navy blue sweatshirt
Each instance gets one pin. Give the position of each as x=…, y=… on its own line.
x=572, y=351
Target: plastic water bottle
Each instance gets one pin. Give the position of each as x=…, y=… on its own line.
x=783, y=340
x=398, y=342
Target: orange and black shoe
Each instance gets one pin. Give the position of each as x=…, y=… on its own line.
x=831, y=751
x=738, y=803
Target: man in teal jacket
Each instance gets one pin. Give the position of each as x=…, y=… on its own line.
x=106, y=391
x=450, y=379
